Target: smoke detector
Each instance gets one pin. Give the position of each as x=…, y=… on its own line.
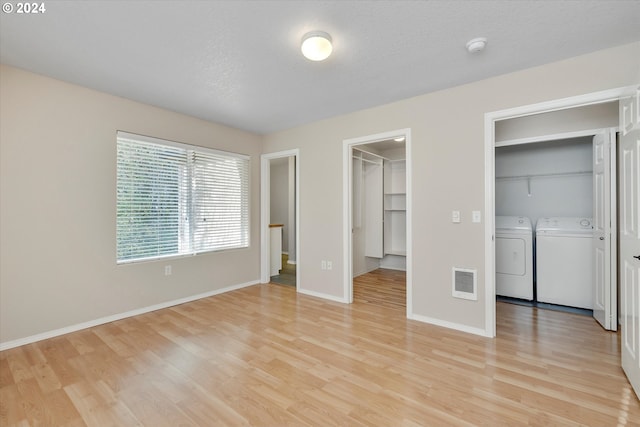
x=476, y=45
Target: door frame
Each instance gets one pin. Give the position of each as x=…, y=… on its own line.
x=490, y=119
x=265, y=210
x=347, y=216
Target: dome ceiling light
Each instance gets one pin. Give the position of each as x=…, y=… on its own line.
x=316, y=45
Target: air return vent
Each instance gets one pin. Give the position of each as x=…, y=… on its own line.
x=464, y=283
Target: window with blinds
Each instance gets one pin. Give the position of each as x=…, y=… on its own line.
x=177, y=199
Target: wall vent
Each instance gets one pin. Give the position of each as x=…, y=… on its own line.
x=465, y=283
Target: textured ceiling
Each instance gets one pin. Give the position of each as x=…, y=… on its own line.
x=239, y=63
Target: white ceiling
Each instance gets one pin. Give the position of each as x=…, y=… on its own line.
x=239, y=63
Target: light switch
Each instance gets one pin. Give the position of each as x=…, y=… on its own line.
x=455, y=216
x=476, y=216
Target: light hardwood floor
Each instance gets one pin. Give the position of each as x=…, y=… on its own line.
x=382, y=287
x=266, y=356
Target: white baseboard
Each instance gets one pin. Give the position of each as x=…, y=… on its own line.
x=450, y=325
x=386, y=267
x=73, y=328
x=289, y=261
x=323, y=296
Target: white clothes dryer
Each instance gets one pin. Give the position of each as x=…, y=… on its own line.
x=514, y=257
x=564, y=252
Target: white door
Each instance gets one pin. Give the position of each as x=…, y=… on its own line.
x=373, y=209
x=604, y=243
x=629, y=164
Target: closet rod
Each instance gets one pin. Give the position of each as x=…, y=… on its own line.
x=545, y=175
x=372, y=154
x=366, y=160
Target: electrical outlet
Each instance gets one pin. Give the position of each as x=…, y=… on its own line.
x=323, y=265
x=329, y=265
x=476, y=216
x=167, y=270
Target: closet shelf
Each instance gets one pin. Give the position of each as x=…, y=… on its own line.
x=544, y=175
x=400, y=252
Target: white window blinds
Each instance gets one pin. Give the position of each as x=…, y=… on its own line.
x=177, y=199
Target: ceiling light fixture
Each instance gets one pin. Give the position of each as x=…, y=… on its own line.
x=476, y=45
x=399, y=139
x=316, y=45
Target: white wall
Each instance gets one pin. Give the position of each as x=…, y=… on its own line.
x=563, y=195
x=57, y=192
x=589, y=117
x=448, y=169
x=279, y=202
x=58, y=208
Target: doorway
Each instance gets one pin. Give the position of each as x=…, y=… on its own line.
x=280, y=253
x=491, y=119
x=377, y=217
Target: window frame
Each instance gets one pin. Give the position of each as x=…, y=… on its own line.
x=187, y=198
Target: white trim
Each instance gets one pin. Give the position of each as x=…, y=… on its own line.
x=409, y=219
x=551, y=137
x=562, y=103
x=347, y=223
x=265, y=203
x=347, y=226
x=387, y=267
x=323, y=296
x=74, y=328
x=182, y=145
x=613, y=239
x=450, y=325
x=489, y=184
x=489, y=220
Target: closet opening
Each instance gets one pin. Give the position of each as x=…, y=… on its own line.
x=377, y=211
x=545, y=184
x=555, y=211
x=379, y=223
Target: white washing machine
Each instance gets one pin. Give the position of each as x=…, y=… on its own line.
x=564, y=252
x=514, y=257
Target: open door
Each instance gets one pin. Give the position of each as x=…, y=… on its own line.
x=629, y=164
x=604, y=222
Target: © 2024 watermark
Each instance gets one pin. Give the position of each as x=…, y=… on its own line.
x=24, y=8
